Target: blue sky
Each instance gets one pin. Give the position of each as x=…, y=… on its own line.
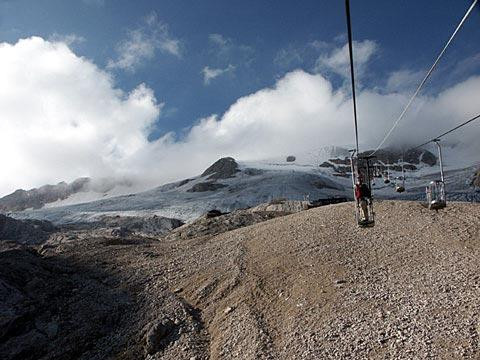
x=409, y=34
x=101, y=87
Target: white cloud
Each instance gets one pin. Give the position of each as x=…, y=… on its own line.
x=209, y=74
x=402, y=80
x=62, y=117
x=69, y=39
x=142, y=43
x=337, y=61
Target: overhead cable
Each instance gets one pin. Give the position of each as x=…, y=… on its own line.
x=425, y=78
x=448, y=132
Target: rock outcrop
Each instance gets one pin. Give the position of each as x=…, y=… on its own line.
x=206, y=186
x=412, y=156
x=150, y=226
x=222, y=169
x=476, y=179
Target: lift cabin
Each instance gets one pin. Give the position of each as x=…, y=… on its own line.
x=435, y=191
x=362, y=174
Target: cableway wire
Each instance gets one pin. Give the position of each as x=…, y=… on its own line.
x=425, y=78
x=350, y=49
x=448, y=132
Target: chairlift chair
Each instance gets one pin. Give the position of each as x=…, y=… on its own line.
x=399, y=187
x=435, y=191
x=361, y=168
x=400, y=181
x=386, y=176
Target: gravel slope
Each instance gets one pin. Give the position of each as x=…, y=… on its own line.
x=311, y=285
x=305, y=286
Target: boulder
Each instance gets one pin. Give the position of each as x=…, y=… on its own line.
x=291, y=158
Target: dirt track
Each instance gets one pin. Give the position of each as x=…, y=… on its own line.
x=305, y=286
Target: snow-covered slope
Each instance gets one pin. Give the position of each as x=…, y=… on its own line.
x=252, y=183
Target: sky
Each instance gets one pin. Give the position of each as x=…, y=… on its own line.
x=157, y=90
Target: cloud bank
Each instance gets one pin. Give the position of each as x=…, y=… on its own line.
x=63, y=117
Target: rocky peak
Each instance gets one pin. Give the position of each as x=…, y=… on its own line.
x=223, y=168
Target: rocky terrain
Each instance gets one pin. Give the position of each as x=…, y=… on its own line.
x=249, y=285
x=31, y=232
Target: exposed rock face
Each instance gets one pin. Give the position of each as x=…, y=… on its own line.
x=31, y=232
x=183, y=182
x=125, y=225
x=222, y=169
x=327, y=164
x=206, y=186
x=392, y=156
x=253, y=172
x=476, y=179
x=344, y=161
x=206, y=225
x=37, y=198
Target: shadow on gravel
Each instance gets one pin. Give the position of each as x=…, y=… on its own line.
x=54, y=308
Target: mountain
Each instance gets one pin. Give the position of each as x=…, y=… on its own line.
x=228, y=185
